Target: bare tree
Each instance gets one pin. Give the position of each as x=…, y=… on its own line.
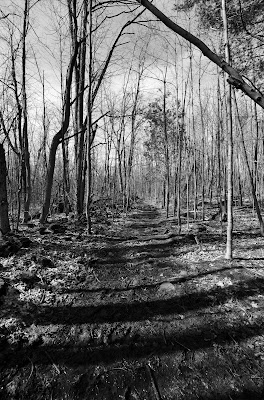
x=166, y=147
x=58, y=137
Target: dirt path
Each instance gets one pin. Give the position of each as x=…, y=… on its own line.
x=139, y=314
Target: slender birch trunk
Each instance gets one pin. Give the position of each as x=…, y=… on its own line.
x=229, y=238
x=25, y=165
x=89, y=127
x=166, y=151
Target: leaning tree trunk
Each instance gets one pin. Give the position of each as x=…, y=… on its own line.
x=4, y=220
x=58, y=137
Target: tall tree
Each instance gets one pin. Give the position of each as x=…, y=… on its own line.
x=58, y=137
x=25, y=154
x=252, y=182
x=163, y=126
x=229, y=241
x=79, y=29
x=67, y=104
x=166, y=146
x=89, y=127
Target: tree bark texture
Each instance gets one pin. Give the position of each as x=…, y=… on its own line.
x=4, y=220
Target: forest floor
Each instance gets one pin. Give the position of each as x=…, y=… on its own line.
x=136, y=312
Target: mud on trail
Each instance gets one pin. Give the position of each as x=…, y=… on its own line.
x=137, y=313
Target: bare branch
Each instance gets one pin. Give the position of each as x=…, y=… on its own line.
x=245, y=27
x=108, y=59
x=235, y=77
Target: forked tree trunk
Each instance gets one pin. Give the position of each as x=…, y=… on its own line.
x=58, y=137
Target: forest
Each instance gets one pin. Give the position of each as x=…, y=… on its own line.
x=131, y=199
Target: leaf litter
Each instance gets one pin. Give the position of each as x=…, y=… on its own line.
x=135, y=312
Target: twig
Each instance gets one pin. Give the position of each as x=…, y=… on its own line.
x=54, y=365
x=32, y=370
x=164, y=337
x=154, y=383
x=43, y=296
x=96, y=276
x=231, y=337
x=182, y=345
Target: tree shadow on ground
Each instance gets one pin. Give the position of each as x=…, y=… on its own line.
x=246, y=394
x=180, y=343
x=174, y=341
x=122, y=245
x=138, y=311
x=160, y=266
x=159, y=244
x=247, y=234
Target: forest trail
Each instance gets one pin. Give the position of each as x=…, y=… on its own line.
x=138, y=313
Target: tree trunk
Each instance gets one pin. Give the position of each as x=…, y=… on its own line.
x=89, y=127
x=80, y=140
x=58, y=137
x=66, y=177
x=256, y=148
x=133, y=133
x=166, y=150
x=4, y=220
x=250, y=174
x=218, y=140
x=229, y=231
x=25, y=171
x=203, y=147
